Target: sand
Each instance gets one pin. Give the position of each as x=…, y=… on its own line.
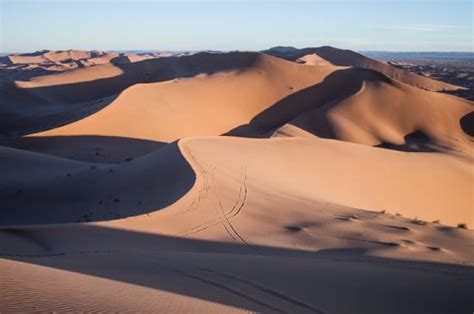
x=350, y=58
x=234, y=182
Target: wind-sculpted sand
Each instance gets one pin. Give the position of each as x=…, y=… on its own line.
x=234, y=182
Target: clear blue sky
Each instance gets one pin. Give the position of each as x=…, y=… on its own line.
x=408, y=25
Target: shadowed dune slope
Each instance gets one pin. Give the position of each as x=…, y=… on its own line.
x=41, y=189
x=93, y=148
x=154, y=273
x=392, y=114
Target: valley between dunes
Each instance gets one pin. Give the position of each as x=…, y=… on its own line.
x=291, y=180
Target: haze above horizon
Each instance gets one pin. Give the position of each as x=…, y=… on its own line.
x=442, y=25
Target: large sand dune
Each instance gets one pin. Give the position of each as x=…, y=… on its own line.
x=392, y=114
x=235, y=182
x=245, y=83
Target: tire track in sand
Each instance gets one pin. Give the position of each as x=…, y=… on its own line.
x=223, y=216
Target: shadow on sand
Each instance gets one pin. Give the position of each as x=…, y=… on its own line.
x=255, y=278
x=336, y=86
x=90, y=148
x=93, y=95
x=41, y=189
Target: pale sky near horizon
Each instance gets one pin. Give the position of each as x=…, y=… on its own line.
x=390, y=25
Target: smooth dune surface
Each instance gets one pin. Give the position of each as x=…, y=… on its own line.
x=289, y=181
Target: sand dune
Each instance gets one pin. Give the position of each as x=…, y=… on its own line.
x=393, y=115
x=365, y=182
x=53, y=56
x=342, y=57
x=173, y=109
x=234, y=182
x=55, y=94
x=27, y=201
x=379, y=111
x=22, y=67
x=80, y=57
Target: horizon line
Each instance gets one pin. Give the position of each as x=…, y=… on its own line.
x=235, y=49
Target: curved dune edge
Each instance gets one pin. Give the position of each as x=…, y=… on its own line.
x=371, y=181
x=337, y=172
x=392, y=115
x=350, y=174
x=43, y=189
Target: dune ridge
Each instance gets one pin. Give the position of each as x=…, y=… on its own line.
x=343, y=57
x=392, y=114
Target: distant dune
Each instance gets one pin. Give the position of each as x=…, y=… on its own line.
x=350, y=58
x=29, y=65
x=291, y=180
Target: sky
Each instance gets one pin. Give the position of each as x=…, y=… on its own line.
x=388, y=25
